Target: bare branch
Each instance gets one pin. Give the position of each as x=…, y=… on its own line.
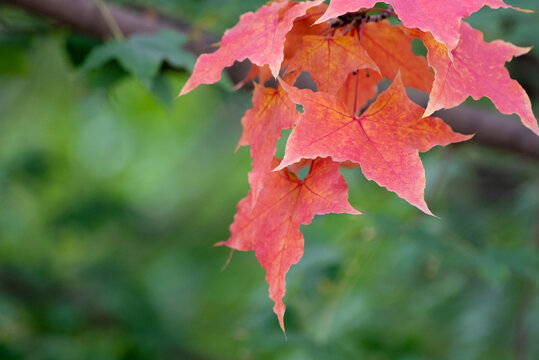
x=492, y=129
x=86, y=17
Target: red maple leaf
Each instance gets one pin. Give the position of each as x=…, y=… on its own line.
x=272, y=112
x=258, y=36
x=477, y=69
x=272, y=227
x=440, y=17
x=384, y=140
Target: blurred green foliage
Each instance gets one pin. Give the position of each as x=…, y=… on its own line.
x=143, y=55
x=111, y=201
x=212, y=15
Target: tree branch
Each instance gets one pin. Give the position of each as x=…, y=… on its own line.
x=83, y=15
x=490, y=128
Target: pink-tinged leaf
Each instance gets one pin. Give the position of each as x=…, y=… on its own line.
x=272, y=227
x=329, y=60
x=391, y=48
x=441, y=17
x=258, y=36
x=384, y=140
x=272, y=112
x=477, y=70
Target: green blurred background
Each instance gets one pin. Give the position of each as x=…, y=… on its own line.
x=113, y=192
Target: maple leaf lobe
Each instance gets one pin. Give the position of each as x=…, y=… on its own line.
x=272, y=112
x=384, y=140
x=477, y=70
x=258, y=36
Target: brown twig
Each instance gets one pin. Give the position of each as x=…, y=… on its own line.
x=86, y=17
x=356, y=19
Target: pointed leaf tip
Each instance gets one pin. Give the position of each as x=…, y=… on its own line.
x=385, y=140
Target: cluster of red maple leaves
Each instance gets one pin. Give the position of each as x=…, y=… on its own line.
x=347, y=52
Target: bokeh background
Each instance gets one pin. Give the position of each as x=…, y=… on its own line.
x=113, y=193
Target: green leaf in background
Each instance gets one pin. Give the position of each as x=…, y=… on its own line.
x=143, y=55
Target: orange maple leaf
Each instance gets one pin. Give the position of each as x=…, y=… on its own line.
x=304, y=25
x=391, y=48
x=329, y=60
x=358, y=89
